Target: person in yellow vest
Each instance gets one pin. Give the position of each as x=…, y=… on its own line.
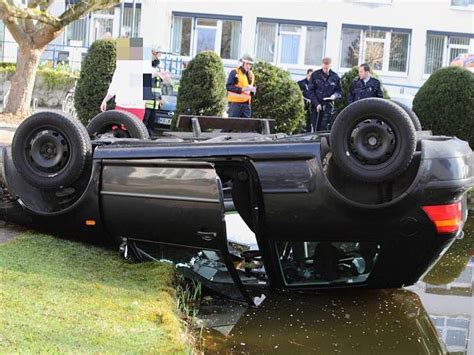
x=240, y=89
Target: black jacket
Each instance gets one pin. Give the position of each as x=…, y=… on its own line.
x=361, y=90
x=304, y=87
x=322, y=85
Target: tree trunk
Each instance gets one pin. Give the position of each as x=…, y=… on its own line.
x=23, y=82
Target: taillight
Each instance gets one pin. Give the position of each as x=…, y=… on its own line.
x=447, y=218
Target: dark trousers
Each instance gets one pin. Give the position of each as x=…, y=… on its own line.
x=321, y=121
x=239, y=110
x=149, y=119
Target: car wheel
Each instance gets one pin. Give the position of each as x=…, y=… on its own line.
x=51, y=150
x=115, y=123
x=373, y=140
x=413, y=117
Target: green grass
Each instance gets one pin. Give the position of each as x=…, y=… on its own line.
x=62, y=296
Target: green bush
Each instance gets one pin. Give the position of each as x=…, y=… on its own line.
x=346, y=81
x=445, y=103
x=51, y=85
x=278, y=96
x=202, y=86
x=96, y=74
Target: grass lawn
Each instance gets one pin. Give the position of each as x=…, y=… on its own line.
x=62, y=296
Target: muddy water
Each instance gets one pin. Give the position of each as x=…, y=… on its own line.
x=435, y=316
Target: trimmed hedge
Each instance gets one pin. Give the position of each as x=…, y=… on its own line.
x=202, y=87
x=51, y=85
x=279, y=97
x=445, y=103
x=96, y=74
x=346, y=80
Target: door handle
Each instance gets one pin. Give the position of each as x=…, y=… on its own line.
x=207, y=236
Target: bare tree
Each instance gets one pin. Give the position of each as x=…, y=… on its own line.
x=33, y=27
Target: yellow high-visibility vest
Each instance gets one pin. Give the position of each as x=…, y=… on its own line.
x=156, y=90
x=242, y=81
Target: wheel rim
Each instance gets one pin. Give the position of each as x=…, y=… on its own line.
x=372, y=141
x=48, y=151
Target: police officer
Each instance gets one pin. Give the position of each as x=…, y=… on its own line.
x=304, y=84
x=364, y=86
x=304, y=87
x=324, y=88
x=158, y=77
x=240, y=88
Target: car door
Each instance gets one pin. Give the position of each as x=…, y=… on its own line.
x=176, y=202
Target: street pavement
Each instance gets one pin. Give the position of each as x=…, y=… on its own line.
x=6, y=133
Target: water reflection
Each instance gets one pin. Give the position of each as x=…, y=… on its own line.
x=447, y=294
x=381, y=321
x=432, y=317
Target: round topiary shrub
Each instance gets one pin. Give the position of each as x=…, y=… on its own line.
x=278, y=96
x=346, y=81
x=96, y=74
x=445, y=103
x=202, y=87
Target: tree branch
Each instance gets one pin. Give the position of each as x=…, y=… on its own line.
x=75, y=11
x=11, y=11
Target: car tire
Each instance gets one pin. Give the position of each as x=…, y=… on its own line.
x=373, y=140
x=104, y=122
x=51, y=150
x=413, y=117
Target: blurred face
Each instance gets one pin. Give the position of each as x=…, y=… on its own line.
x=362, y=73
x=247, y=66
x=155, y=54
x=326, y=65
x=308, y=76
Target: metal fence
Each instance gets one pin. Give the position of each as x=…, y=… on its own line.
x=74, y=55
x=54, y=53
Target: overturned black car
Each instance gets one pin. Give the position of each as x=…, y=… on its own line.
x=373, y=203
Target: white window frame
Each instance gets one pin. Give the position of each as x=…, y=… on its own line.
x=302, y=46
x=218, y=40
x=469, y=7
x=447, y=49
x=386, y=51
x=301, y=35
x=443, y=332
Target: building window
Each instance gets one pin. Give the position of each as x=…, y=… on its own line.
x=128, y=22
x=289, y=43
x=463, y=4
x=442, y=49
x=385, y=50
x=454, y=331
x=182, y=30
x=192, y=35
x=77, y=31
x=434, y=53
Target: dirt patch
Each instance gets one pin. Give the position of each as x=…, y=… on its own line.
x=9, y=231
x=11, y=119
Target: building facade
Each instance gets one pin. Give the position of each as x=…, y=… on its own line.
x=405, y=41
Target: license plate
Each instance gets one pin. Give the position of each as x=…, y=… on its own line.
x=163, y=120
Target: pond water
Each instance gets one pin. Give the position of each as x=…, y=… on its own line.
x=434, y=316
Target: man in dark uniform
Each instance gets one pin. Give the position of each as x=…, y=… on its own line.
x=304, y=87
x=324, y=88
x=364, y=85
